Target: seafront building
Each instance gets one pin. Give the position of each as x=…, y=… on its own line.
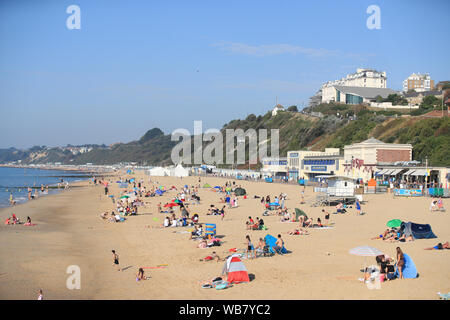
x=365, y=160
x=418, y=82
x=363, y=86
x=362, y=159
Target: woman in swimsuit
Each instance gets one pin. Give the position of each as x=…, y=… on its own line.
x=400, y=262
x=440, y=246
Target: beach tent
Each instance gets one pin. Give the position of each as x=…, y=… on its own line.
x=235, y=269
x=418, y=231
x=299, y=213
x=179, y=171
x=269, y=180
x=240, y=191
x=159, y=172
x=159, y=192
x=271, y=242
x=409, y=270
x=206, y=185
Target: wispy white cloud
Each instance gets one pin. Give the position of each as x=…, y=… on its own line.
x=282, y=48
x=272, y=49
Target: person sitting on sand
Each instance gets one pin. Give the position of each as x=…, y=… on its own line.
x=104, y=215
x=278, y=245
x=318, y=224
x=286, y=217
x=440, y=246
x=249, y=223
x=308, y=223
x=433, y=206
x=197, y=231
x=261, y=245
x=340, y=208
x=140, y=275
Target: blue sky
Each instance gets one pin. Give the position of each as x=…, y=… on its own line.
x=135, y=65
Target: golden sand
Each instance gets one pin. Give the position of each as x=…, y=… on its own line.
x=70, y=231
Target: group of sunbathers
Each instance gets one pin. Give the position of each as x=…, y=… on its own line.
x=14, y=220
x=252, y=225
x=393, y=235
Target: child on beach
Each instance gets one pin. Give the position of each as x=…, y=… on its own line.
x=140, y=275
x=40, y=295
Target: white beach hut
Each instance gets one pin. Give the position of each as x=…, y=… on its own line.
x=179, y=171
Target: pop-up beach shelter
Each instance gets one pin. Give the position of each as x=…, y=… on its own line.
x=240, y=191
x=206, y=185
x=235, y=269
x=299, y=213
x=418, y=231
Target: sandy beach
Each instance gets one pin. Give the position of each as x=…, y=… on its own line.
x=69, y=231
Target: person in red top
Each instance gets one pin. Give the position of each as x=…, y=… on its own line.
x=250, y=223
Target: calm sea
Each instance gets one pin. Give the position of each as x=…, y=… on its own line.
x=16, y=181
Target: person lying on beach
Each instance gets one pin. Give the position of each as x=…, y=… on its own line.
x=286, y=217
x=440, y=246
x=203, y=244
x=387, y=233
x=298, y=231
x=212, y=257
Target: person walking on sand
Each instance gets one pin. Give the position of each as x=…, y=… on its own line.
x=116, y=260
x=358, y=207
x=250, y=248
